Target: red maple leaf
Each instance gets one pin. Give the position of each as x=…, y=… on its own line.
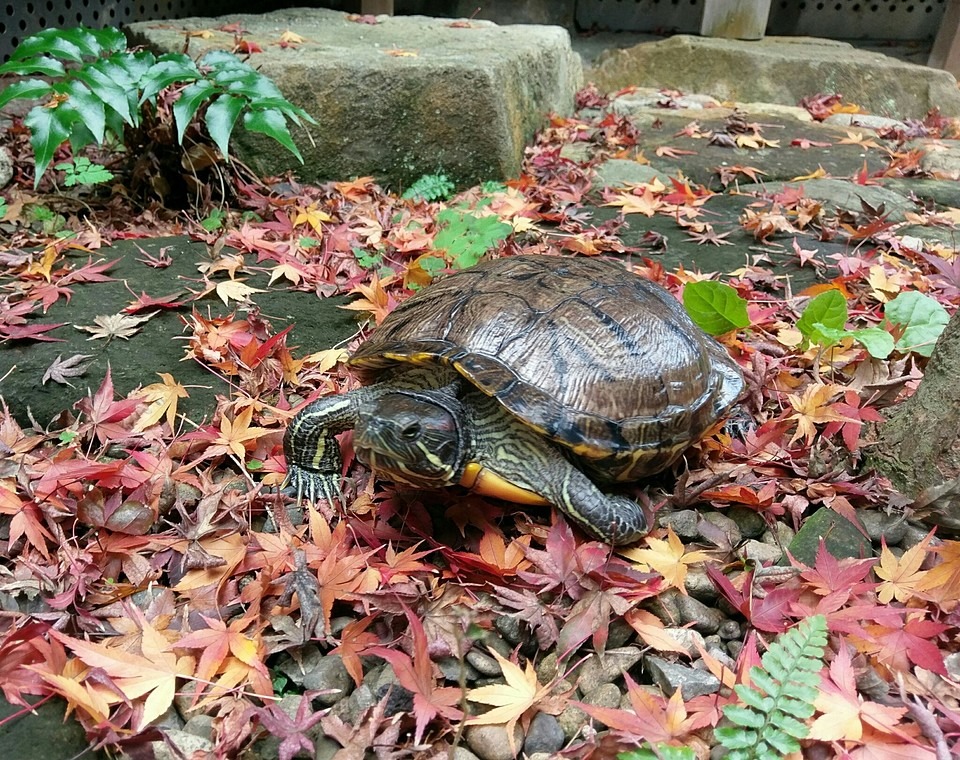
x=418, y=675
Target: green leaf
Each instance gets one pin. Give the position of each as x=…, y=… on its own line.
x=41, y=64
x=87, y=105
x=111, y=84
x=82, y=38
x=735, y=738
x=715, y=307
x=169, y=69
x=430, y=187
x=753, y=698
x=923, y=317
x=467, y=237
x=110, y=39
x=191, y=98
x=214, y=220
x=271, y=123
x=25, y=88
x=659, y=752
x=829, y=309
x=47, y=133
x=247, y=83
x=220, y=119
x=47, y=42
x=744, y=716
x=877, y=341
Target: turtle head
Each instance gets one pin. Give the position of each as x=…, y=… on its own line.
x=413, y=437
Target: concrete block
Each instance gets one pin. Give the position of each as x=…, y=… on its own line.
x=407, y=96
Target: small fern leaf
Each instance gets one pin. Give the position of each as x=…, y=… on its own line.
x=769, y=721
x=797, y=706
x=745, y=716
x=753, y=698
x=735, y=738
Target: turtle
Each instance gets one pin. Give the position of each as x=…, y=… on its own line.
x=534, y=378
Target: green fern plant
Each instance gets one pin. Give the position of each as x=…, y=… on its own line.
x=430, y=187
x=94, y=90
x=659, y=752
x=768, y=723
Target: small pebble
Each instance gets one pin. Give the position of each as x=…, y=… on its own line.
x=614, y=663
x=572, y=720
x=671, y=676
x=751, y=524
x=705, y=619
x=545, y=735
x=684, y=523
x=761, y=552
x=727, y=525
x=730, y=630
x=485, y=664
x=547, y=668
x=687, y=638
x=605, y=695
x=509, y=628
x=698, y=585
x=891, y=528
x=493, y=742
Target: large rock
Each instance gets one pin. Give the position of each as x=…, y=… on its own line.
x=404, y=97
x=781, y=70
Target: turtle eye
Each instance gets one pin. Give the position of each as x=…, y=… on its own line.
x=411, y=431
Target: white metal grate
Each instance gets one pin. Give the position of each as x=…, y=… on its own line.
x=837, y=19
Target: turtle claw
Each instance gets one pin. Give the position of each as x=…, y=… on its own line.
x=311, y=486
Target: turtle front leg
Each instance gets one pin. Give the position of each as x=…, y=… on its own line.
x=521, y=457
x=314, y=463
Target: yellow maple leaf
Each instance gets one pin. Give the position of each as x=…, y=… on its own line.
x=901, y=576
x=820, y=172
x=287, y=271
x=291, y=38
x=813, y=409
x=858, y=138
x=313, y=216
x=668, y=557
x=162, y=400
x=510, y=700
x=45, y=264
x=236, y=290
x=324, y=361
x=942, y=581
x=631, y=203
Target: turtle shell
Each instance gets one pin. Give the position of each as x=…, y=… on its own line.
x=595, y=358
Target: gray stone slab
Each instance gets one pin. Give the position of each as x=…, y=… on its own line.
x=404, y=97
x=781, y=70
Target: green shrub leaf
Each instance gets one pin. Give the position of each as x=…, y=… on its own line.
x=47, y=133
x=922, y=316
x=41, y=64
x=220, y=119
x=715, y=307
x=48, y=42
x=88, y=106
x=25, y=88
x=169, y=69
x=191, y=98
x=829, y=309
x=271, y=123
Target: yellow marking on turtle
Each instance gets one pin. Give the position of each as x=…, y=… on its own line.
x=483, y=481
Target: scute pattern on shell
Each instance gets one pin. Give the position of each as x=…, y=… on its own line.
x=597, y=359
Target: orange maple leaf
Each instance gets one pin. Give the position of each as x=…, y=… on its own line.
x=161, y=401
x=668, y=557
x=901, y=576
x=813, y=409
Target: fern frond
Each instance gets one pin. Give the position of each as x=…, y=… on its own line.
x=769, y=721
x=430, y=187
